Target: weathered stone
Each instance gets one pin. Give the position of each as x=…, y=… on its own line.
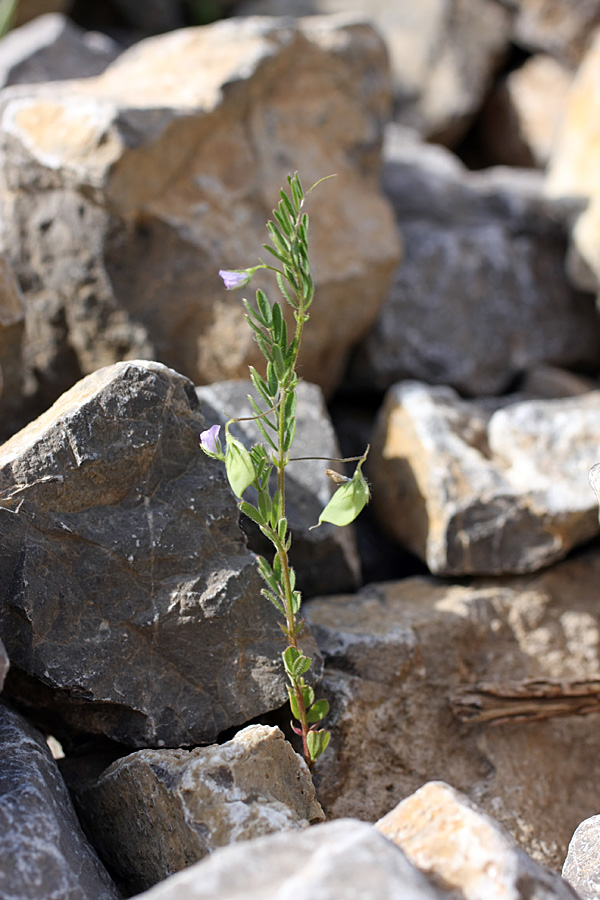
x=4, y=664
x=443, y=53
x=462, y=849
x=333, y=861
x=31, y=9
x=557, y=27
x=123, y=195
x=126, y=585
x=395, y=655
x=549, y=383
x=51, y=48
x=12, y=322
x=582, y=865
x=473, y=490
x=522, y=117
x=181, y=806
x=481, y=293
x=325, y=559
x=43, y=851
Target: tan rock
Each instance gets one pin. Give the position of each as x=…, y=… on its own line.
x=397, y=653
x=125, y=194
x=473, y=490
x=12, y=323
x=520, y=122
x=462, y=849
x=558, y=27
x=157, y=811
x=581, y=868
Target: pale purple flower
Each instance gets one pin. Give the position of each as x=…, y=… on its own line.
x=209, y=441
x=233, y=279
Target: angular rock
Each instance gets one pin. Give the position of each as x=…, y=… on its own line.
x=557, y=27
x=458, y=846
x=443, y=54
x=471, y=489
x=521, y=119
x=12, y=323
x=396, y=654
x=52, y=48
x=127, y=588
x=4, y=664
x=181, y=806
x=481, y=293
x=333, y=861
x=43, y=851
x=582, y=866
x=325, y=559
x=125, y=194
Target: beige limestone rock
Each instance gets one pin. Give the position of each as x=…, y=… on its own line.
x=443, y=53
x=582, y=866
x=12, y=324
x=157, y=811
x=395, y=655
x=462, y=849
x=473, y=489
x=521, y=120
x=125, y=194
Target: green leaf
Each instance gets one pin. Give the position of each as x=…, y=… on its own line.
x=293, y=702
x=280, y=242
x=264, y=307
x=264, y=506
x=273, y=599
x=284, y=290
x=276, y=254
x=285, y=201
x=301, y=666
x=260, y=385
x=278, y=323
x=292, y=578
x=318, y=711
x=252, y=513
x=296, y=601
x=282, y=528
x=263, y=343
x=317, y=742
x=278, y=361
x=289, y=436
x=309, y=695
x=239, y=466
x=266, y=573
x=290, y=655
x=272, y=379
x=348, y=501
x=286, y=226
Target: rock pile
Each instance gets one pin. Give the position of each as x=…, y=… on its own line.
x=455, y=329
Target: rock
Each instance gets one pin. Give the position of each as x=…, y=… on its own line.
x=31, y=9
x=183, y=805
x=557, y=27
x=333, y=861
x=4, y=664
x=152, y=16
x=443, y=54
x=458, y=846
x=481, y=293
x=43, y=850
x=581, y=868
x=473, y=490
x=397, y=653
x=52, y=48
x=12, y=323
x=521, y=119
x=128, y=588
x=125, y=194
x=325, y=559
x=550, y=382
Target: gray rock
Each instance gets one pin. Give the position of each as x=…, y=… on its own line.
x=582, y=865
x=123, y=195
x=43, y=851
x=52, y=48
x=151, y=16
x=4, y=664
x=396, y=656
x=127, y=586
x=12, y=325
x=325, y=559
x=181, y=806
x=558, y=27
x=471, y=489
x=334, y=861
x=455, y=844
x=481, y=293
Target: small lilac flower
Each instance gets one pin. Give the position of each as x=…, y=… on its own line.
x=210, y=443
x=235, y=279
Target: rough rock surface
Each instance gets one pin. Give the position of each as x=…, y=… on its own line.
x=582, y=865
x=521, y=119
x=12, y=323
x=333, y=861
x=52, y=48
x=558, y=27
x=4, y=664
x=183, y=805
x=470, y=489
x=395, y=655
x=123, y=196
x=458, y=846
x=43, y=851
x=481, y=293
x=443, y=53
x=126, y=585
x=325, y=559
